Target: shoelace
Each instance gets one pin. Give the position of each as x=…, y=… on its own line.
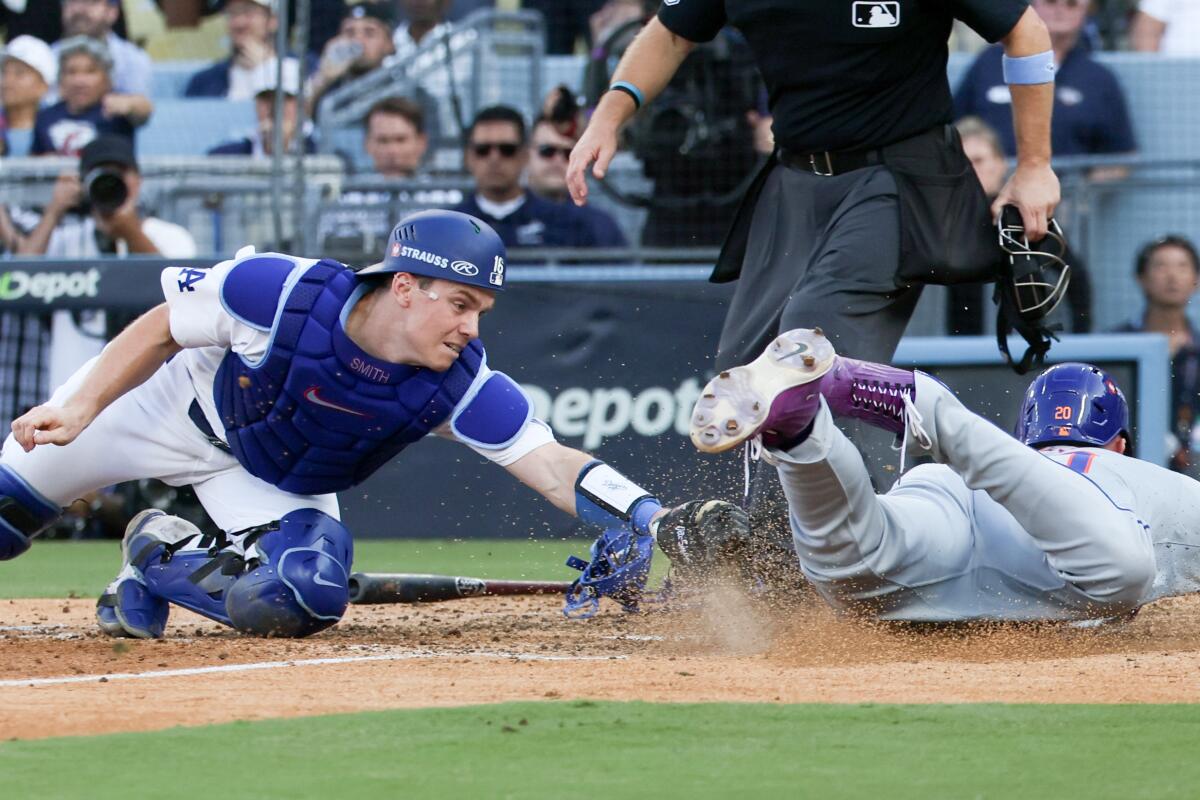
x=912, y=424
x=753, y=451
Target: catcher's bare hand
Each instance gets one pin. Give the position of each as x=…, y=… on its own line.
x=49, y=425
x=599, y=144
x=1034, y=191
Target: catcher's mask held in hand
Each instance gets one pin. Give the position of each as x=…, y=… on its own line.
x=1032, y=282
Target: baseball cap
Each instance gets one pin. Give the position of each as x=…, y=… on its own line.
x=263, y=79
x=109, y=148
x=34, y=52
x=383, y=12
x=269, y=5
x=96, y=48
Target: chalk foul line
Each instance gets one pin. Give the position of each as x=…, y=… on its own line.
x=406, y=655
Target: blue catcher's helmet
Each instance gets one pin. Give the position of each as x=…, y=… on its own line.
x=1073, y=403
x=448, y=245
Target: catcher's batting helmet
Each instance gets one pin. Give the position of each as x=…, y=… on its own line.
x=1073, y=403
x=448, y=245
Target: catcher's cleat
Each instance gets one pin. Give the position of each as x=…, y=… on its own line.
x=127, y=608
x=778, y=394
x=703, y=534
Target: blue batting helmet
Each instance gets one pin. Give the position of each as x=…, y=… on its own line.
x=445, y=244
x=1073, y=403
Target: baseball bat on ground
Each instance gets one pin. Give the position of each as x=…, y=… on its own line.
x=404, y=587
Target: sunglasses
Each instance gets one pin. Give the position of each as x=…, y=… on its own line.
x=1067, y=3
x=484, y=149
x=550, y=151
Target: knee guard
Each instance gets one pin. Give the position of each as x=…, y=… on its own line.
x=299, y=581
x=24, y=513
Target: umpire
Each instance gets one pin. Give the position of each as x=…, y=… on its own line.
x=868, y=194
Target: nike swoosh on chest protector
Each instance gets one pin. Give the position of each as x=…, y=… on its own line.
x=311, y=396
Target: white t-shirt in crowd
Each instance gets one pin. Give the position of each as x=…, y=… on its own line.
x=1182, y=18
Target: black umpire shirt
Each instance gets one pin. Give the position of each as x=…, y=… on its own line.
x=848, y=74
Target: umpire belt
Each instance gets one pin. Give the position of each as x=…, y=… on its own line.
x=828, y=163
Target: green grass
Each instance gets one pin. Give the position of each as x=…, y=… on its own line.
x=609, y=750
x=59, y=569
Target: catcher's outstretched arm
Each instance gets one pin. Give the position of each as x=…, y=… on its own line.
x=128, y=361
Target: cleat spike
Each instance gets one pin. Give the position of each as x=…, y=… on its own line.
x=808, y=361
x=818, y=332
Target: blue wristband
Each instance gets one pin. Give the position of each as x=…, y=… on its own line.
x=1026, y=70
x=631, y=90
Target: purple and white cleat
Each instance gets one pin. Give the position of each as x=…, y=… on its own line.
x=778, y=394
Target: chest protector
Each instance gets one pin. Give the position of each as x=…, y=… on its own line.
x=317, y=414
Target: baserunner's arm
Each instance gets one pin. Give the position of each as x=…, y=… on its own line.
x=127, y=362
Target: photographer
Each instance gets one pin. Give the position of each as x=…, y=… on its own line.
x=92, y=214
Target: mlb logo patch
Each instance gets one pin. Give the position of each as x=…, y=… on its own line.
x=395, y=249
x=875, y=14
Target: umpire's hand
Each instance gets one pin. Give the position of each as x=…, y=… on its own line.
x=599, y=144
x=1034, y=190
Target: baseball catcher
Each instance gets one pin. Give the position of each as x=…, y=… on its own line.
x=1058, y=523
x=271, y=382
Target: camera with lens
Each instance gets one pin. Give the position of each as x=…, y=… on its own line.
x=105, y=189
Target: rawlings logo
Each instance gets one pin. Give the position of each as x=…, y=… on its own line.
x=464, y=268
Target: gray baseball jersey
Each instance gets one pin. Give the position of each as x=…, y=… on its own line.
x=994, y=530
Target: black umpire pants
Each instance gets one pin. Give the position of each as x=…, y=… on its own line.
x=822, y=252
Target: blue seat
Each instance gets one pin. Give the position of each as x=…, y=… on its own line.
x=170, y=78
x=192, y=127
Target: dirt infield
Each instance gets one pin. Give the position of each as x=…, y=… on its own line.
x=62, y=677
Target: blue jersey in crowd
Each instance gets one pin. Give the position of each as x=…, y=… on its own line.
x=1090, y=114
x=544, y=223
x=57, y=131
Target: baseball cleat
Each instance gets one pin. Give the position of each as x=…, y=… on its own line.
x=779, y=389
x=127, y=608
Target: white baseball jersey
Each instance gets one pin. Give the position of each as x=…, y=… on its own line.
x=995, y=530
x=147, y=432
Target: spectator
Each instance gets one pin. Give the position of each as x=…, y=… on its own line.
x=395, y=137
x=363, y=42
x=567, y=21
x=41, y=19
x=131, y=72
x=1170, y=27
x=548, y=178
x=29, y=70
x=496, y=154
x=323, y=16
x=252, y=25
x=1090, y=113
x=261, y=142
x=966, y=302
x=1168, y=272
x=87, y=105
x=423, y=18
x=92, y=213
